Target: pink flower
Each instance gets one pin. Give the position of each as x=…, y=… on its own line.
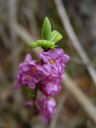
x=52, y=63
x=50, y=69
x=27, y=74
x=46, y=107
x=51, y=87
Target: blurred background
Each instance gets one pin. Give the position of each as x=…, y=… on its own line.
x=20, y=22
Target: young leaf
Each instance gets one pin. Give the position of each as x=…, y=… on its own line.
x=56, y=36
x=45, y=44
x=46, y=29
x=33, y=44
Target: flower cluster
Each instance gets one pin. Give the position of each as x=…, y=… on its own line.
x=47, y=73
x=46, y=107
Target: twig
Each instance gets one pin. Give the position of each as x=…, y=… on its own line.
x=4, y=37
x=67, y=25
x=18, y=29
x=30, y=14
x=71, y=86
x=12, y=11
x=12, y=21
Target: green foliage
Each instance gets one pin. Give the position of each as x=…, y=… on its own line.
x=33, y=44
x=46, y=29
x=49, y=38
x=42, y=43
x=56, y=36
x=45, y=43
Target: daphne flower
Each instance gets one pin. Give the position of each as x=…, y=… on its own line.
x=52, y=79
x=53, y=62
x=51, y=88
x=46, y=107
x=27, y=74
x=57, y=55
x=27, y=64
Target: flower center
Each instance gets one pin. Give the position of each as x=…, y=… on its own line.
x=27, y=63
x=49, y=96
x=33, y=69
x=51, y=62
x=28, y=76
